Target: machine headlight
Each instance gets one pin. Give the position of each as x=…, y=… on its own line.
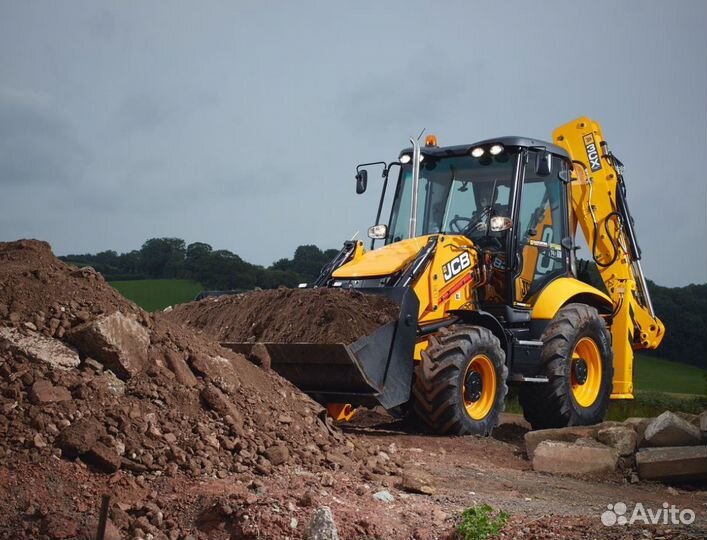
x=496, y=149
x=405, y=158
x=477, y=152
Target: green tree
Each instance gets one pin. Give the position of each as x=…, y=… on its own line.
x=162, y=257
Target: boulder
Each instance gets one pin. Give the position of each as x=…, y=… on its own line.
x=585, y=458
x=703, y=423
x=277, y=455
x=639, y=425
x=668, y=429
x=219, y=403
x=108, y=384
x=622, y=438
x=117, y=341
x=672, y=463
x=178, y=365
x=102, y=458
x=417, y=481
x=43, y=391
x=322, y=525
x=79, y=437
x=568, y=434
x=39, y=348
x=260, y=356
x=217, y=368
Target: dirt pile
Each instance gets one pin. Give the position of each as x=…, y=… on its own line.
x=288, y=316
x=89, y=378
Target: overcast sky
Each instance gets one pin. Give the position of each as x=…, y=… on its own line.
x=240, y=123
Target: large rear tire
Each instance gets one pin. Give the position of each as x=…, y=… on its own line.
x=460, y=383
x=578, y=361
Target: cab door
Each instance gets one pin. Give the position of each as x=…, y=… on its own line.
x=542, y=224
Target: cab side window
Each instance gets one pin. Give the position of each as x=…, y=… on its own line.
x=540, y=232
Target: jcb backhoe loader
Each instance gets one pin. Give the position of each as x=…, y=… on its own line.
x=479, y=253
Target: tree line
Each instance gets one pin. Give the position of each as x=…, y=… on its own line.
x=683, y=310
x=216, y=269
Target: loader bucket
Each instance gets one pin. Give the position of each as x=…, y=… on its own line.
x=373, y=370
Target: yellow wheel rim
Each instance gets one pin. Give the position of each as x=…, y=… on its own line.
x=585, y=372
x=479, y=388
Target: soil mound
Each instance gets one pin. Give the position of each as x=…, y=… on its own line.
x=288, y=315
x=88, y=377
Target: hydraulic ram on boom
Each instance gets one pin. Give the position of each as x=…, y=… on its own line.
x=598, y=201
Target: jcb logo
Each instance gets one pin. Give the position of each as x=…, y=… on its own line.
x=592, y=152
x=456, y=265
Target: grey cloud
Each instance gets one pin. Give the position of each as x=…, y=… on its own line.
x=37, y=145
x=140, y=113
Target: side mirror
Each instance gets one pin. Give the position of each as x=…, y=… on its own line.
x=378, y=232
x=361, y=181
x=543, y=164
x=500, y=223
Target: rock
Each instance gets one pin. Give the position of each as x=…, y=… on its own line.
x=43, y=391
x=39, y=441
x=383, y=496
x=178, y=366
x=117, y=341
x=217, y=368
x=703, y=424
x=39, y=348
x=672, y=463
x=217, y=401
x=417, y=481
x=260, y=356
x=277, y=455
x=108, y=383
x=568, y=434
x=102, y=458
x=79, y=437
x=327, y=479
x=668, y=429
x=322, y=525
x=586, y=458
x=622, y=438
x=639, y=425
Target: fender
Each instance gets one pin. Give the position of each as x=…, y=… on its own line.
x=564, y=290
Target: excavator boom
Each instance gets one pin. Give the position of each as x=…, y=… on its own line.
x=599, y=207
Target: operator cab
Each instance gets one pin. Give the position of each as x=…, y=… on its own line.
x=508, y=195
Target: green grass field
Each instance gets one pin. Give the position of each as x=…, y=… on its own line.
x=157, y=294
x=659, y=375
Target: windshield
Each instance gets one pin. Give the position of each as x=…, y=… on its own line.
x=456, y=195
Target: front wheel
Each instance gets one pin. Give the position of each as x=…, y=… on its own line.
x=460, y=383
x=578, y=361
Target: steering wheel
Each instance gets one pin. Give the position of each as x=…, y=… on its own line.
x=454, y=224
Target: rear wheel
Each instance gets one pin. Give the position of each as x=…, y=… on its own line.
x=460, y=383
x=578, y=362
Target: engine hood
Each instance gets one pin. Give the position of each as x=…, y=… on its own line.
x=383, y=261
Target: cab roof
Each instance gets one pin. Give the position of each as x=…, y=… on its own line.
x=505, y=141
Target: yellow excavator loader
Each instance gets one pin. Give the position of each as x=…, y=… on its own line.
x=479, y=253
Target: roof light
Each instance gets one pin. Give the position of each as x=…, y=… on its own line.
x=496, y=149
x=431, y=140
x=477, y=152
x=405, y=158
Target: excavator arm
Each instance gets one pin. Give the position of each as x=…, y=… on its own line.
x=599, y=207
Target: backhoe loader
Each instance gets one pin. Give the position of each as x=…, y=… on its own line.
x=479, y=253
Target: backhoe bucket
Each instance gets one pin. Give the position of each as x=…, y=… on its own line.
x=373, y=370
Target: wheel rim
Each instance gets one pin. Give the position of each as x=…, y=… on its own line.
x=585, y=370
x=479, y=388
